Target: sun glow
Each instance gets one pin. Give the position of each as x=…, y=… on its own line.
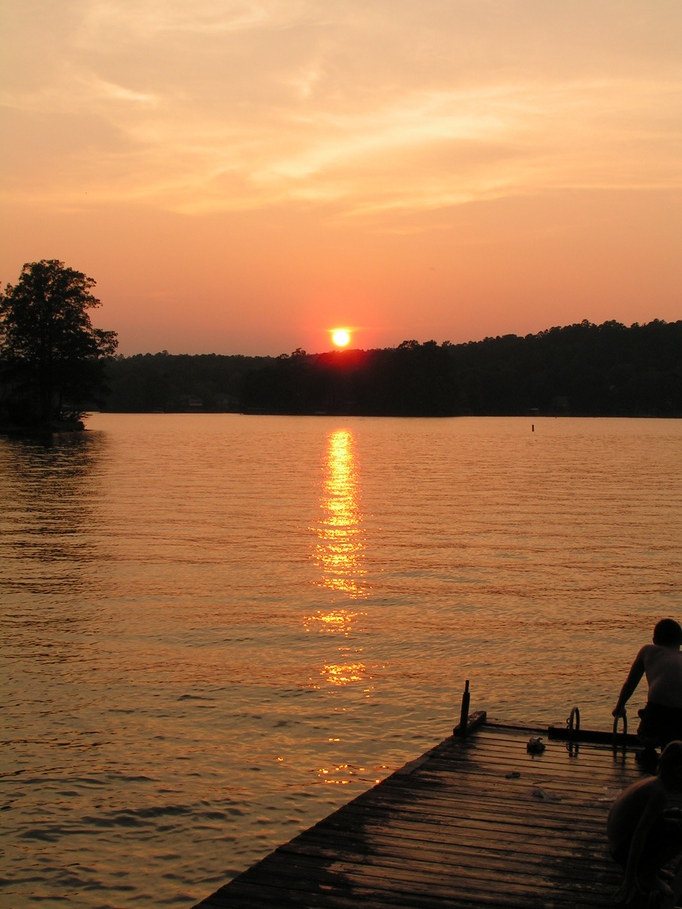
x=340, y=337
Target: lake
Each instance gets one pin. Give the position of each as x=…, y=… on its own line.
x=217, y=628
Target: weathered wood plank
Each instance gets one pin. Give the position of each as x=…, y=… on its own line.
x=475, y=822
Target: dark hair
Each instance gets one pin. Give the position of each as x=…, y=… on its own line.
x=668, y=633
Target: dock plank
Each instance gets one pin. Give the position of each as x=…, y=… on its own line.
x=476, y=822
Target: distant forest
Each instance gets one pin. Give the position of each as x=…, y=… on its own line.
x=578, y=370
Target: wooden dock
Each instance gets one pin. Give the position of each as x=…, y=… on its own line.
x=477, y=821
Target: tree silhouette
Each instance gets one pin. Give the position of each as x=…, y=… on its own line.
x=50, y=353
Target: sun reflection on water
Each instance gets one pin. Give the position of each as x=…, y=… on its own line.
x=338, y=775
x=339, y=552
x=339, y=557
x=344, y=673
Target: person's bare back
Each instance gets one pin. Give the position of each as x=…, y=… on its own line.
x=663, y=669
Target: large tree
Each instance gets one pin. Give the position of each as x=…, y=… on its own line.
x=50, y=353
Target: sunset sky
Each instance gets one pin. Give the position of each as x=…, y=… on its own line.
x=242, y=176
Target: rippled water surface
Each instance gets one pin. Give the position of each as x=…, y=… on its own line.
x=216, y=628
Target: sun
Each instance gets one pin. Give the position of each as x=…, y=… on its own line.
x=341, y=337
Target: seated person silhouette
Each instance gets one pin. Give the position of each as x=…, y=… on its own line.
x=644, y=829
x=661, y=662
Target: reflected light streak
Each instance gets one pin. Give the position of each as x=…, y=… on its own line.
x=339, y=552
x=344, y=673
x=344, y=774
x=338, y=621
x=336, y=776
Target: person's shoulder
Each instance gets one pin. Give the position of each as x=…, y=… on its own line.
x=650, y=648
x=644, y=791
x=653, y=654
x=647, y=650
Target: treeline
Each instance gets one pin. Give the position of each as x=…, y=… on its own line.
x=163, y=382
x=580, y=370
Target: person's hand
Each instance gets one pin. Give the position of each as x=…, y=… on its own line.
x=618, y=711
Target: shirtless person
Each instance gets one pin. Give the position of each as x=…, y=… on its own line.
x=644, y=828
x=662, y=664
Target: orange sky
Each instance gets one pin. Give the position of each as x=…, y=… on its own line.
x=239, y=176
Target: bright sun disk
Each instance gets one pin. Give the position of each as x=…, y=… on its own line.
x=340, y=336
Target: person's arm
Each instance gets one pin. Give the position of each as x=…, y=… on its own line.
x=630, y=684
x=655, y=807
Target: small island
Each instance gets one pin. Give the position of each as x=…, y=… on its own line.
x=51, y=356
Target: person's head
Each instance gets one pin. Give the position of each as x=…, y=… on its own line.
x=668, y=633
x=670, y=765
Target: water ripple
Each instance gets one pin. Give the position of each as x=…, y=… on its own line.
x=217, y=628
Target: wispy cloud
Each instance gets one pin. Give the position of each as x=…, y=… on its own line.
x=250, y=103
x=135, y=20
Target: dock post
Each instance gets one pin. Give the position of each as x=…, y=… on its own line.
x=464, y=711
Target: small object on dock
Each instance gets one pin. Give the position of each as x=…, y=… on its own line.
x=535, y=745
x=545, y=795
